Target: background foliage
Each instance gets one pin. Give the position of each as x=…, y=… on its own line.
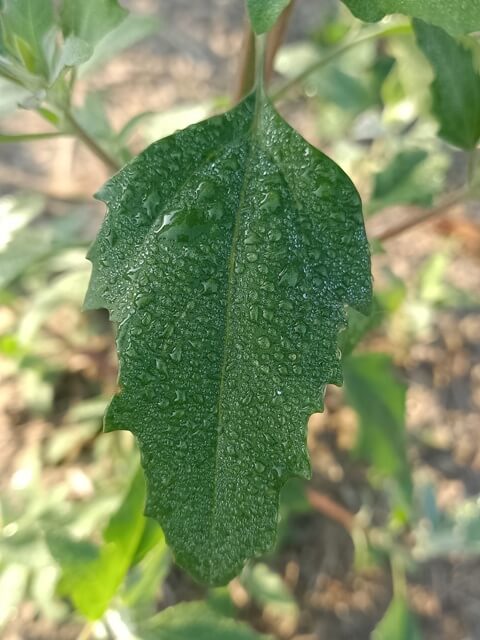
x=383, y=542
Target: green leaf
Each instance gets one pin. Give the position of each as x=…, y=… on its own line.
x=455, y=16
x=373, y=390
x=269, y=591
x=13, y=583
x=90, y=575
x=196, y=621
x=131, y=30
x=399, y=623
x=90, y=20
x=456, y=87
x=11, y=95
x=26, y=246
x=29, y=34
x=264, y=13
x=227, y=256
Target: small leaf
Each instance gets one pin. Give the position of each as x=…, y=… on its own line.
x=196, y=621
x=227, y=256
x=398, y=623
x=128, y=32
x=269, y=591
x=91, y=576
x=455, y=16
x=90, y=20
x=456, y=87
x=29, y=34
x=264, y=13
x=373, y=390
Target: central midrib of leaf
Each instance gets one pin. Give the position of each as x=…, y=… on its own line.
x=252, y=141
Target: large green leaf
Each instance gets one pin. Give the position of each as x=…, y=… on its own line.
x=378, y=396
x=456, y=87
x=90, y=20
x=196, y=621
x=227, y=256
x=398, y=623
x=456, y=16
x=264, y=13
x=28, y=28
x=90, y=575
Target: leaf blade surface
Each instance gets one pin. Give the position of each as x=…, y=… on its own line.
x=227, y=256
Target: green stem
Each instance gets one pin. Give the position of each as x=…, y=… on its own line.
x=94, y=147
x=246, y=76
x=472, y=167
x=336, y=53
x=29, y=137
x=260, y=50
x=398, y=577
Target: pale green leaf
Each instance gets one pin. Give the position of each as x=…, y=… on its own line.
x=374, y=390
x=196, y=621
x=456, y=87
x=13, y=585
x=264, y=13
x=227, y=257
x=90, y=20
x=398, y=623
x=29, y=34
x=456, y=16
x=268, y=590
x=128, y=32
x=91, y=576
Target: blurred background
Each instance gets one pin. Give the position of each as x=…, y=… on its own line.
x=384, y=542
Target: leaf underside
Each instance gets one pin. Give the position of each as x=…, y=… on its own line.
x=227, y=256
x=455, y=16
x=455, y=95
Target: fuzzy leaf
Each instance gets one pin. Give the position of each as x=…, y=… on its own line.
x=264, y=13
x=455, y=16
x=227, y=256
x=90, y=20
x=456, y=87
x=29, y=34
x=196, y=621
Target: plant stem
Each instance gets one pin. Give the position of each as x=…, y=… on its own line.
x=336, y=53
x=30, y=137
x=92, y=144
x=86, y=632
x=246, y=75
x=275, y=39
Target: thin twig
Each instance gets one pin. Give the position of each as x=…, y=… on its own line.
x=92, y=144
x=336, y=53
x=86, y=632
x=246, y=74
x=275, y=39
x=378, y=231
x=331, y=509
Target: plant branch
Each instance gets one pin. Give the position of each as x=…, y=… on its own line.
x=336, y=53
x=30, y=137
x=86, y=632
x=92, y=144
x=275, y=39
x=331, y=509
x=246, y=74
x=377, y=230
